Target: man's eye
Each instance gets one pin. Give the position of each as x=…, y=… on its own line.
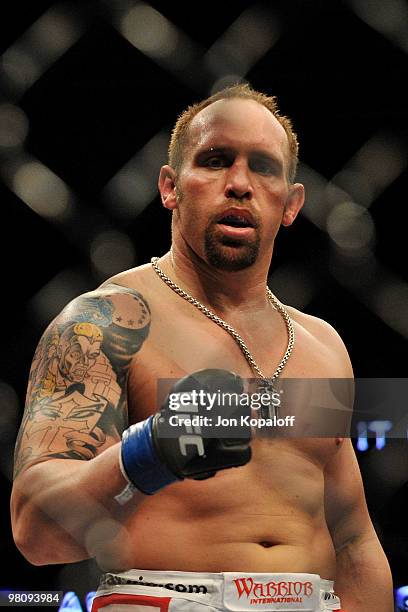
x=263, y=167
x=215, y=162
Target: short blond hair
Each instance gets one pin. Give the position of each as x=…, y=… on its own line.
x=180, y=133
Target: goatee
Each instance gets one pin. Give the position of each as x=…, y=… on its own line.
x=230, y=255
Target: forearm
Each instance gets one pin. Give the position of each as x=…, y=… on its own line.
x=363, y=578
x=65, y=510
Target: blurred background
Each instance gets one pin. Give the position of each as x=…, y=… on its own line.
x=89, y=92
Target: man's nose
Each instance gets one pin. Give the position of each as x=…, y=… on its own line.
x=238, y=184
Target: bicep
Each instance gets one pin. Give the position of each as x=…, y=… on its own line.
x=76, y=404
x=346, y=510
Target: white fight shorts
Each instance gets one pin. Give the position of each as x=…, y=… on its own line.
x=151, y=591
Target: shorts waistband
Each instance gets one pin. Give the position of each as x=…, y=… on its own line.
x=232, y=590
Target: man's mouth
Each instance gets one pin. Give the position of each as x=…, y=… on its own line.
x=236, y=226
x=237, y=219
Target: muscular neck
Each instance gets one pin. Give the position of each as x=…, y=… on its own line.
x=221, y=291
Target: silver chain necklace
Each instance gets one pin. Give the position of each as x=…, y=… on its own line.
x=267, y=382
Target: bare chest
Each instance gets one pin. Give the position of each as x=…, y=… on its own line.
x=182, y=341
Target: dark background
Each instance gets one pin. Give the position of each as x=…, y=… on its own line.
x=89, y=93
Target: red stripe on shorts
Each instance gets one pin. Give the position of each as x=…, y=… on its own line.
x=161, y=603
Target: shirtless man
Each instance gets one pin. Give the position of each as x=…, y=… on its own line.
x=268, y=534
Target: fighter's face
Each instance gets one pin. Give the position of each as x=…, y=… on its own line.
x=232, y=187
x=78, y=356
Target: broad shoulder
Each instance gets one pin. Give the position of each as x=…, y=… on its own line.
x=136, y=278
x=314, y=325
x=110, y=303
x=321, y=332
x=122, y=295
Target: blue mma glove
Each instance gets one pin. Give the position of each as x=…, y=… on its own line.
x=155, y=453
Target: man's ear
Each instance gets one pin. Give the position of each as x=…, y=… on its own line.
x=167, y=187
x=293, y=204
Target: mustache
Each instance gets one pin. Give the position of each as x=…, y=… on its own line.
x=231, y=203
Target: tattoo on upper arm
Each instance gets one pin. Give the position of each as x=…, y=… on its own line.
x=76, y=395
